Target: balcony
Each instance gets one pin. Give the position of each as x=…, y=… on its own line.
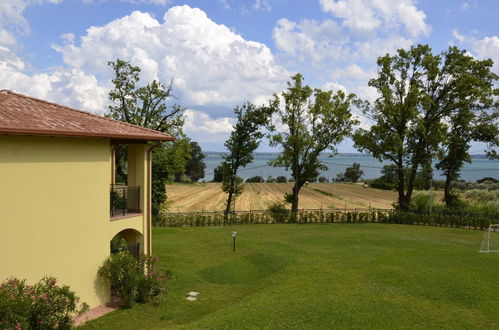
x=125, y=201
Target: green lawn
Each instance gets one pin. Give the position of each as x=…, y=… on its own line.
x=320, y=276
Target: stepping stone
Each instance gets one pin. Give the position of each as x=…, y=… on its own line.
x=193, y=293
x=191, y=298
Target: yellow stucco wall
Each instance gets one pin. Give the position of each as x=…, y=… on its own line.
x=54, y=218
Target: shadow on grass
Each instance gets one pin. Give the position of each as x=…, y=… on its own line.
x=245, y=269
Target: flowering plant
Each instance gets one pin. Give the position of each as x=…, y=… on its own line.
x=44, y=305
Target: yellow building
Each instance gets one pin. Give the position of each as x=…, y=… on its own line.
x=56, y=186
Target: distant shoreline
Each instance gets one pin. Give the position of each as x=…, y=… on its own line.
x=350, y=154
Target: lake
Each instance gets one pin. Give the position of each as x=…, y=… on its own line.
x=479, y=168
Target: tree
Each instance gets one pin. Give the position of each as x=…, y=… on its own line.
x=312, y=121
x=255, y=179
x=218, y=174
x=473, y=118
x=281, y=179
x=353, y=173
x=146, y=106
x=417, y=92
x=243, y=141
x=195, y=165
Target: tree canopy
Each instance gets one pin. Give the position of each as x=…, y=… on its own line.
x=245, y=137
x=418, y=91
x=311, y=121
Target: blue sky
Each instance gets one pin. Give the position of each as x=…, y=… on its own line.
x=221, y=53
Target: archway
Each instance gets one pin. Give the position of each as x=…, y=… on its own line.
x=128, y=240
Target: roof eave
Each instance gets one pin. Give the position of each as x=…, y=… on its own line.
x=11, y=131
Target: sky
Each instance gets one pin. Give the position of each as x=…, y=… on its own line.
x=222, y=53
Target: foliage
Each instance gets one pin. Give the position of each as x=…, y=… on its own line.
x=418, y=92
x=121, y=270
x=464, y=218
x=44, y=305
x=167, y=159
x=311, y=121
x=218, y=174
x=380, y=183
x=323, y=179
x=270, y=179
x=243, y=141
x=422, y=201
x=133, y=279
x=143, y=106
x=487, y=179
x=255, y=179
x=150, y=279
x=118, y=243
x=146, y=106
x=195, y=165
x=281, y=179
x=472, y=117
x=278, y=212
x=353, y=173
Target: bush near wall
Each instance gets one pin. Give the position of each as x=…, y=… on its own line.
x=440, y=218
x=44, y=305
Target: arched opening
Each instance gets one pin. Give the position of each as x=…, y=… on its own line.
x=128, y=240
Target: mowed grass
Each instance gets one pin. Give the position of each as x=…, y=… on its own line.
x=320, y=276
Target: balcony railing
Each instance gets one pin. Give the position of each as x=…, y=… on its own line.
x=124, y=200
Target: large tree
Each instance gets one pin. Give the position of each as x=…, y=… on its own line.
x=146, y=106
x=311, y=121
x=417, y=92
x=243, y=141
x=195, y=166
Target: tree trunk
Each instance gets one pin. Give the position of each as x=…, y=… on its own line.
x=449, y=198
x=403, y=205
x=228, y=206
x=294, y=201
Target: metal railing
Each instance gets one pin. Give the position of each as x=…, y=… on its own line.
x=124, y=200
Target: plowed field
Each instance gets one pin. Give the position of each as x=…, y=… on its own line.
x=258, y=196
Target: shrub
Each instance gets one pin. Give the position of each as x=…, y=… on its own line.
x=379, y=183
x=133, y=280
x=323, y=179
x=121, y=270
x=270, y=179
x=278, y=212
x=281, y=179
x=256, y=179
x=421, y=201
x=43, y=305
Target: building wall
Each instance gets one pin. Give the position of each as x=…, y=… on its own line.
x=54, y=218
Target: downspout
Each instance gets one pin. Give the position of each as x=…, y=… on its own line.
x=113, y=165
x=149, y=197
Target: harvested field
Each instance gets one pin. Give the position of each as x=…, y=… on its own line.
x=258, y=196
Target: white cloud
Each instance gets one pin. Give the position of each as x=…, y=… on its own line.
x=366, y=16
x=469, y=4
x=224, y=3
x=263, y=5
x=208, y=62
x=310, y=39
x=197, y=121
x=485, y=48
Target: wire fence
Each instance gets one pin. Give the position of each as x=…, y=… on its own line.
x=218, y=218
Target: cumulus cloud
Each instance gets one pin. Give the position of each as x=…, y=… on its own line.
x=366, y=15
x=210, y=64
x=482, y=48
x=212, y=67
x=197, y=121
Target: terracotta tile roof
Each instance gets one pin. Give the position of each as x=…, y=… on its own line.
x=21, y=114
